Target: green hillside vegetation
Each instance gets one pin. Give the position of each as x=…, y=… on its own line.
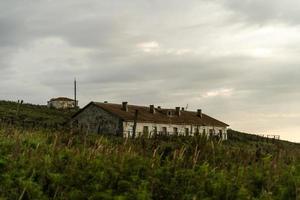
x=242, y=138
x=33, y=113
x=46, y=163
x=60, y=165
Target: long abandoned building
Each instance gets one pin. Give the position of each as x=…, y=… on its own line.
x=134, y=121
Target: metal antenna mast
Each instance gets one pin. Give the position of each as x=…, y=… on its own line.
x=75, y=93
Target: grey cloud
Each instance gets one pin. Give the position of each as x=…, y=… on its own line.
x=110, y=66
x=10, y=31
x=267, y=11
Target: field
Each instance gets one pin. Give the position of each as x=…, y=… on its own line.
x=44, y=163
x=57, y=165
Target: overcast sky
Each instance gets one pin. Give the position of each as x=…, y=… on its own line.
x=237, y=60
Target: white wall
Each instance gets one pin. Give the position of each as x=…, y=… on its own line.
x=128, y=129
x=61, y=104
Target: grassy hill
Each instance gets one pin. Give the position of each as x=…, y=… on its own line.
x=33, y=113
x=47, y=165
x=242, y=138
x=44, y=164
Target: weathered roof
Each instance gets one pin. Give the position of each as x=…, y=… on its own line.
x=160, y=116
x=61, y=99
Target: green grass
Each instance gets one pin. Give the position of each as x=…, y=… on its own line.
x=242, y=138
x=58, y=165
x=35, y=113
x=43, y=164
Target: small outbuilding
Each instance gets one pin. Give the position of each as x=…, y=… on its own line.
x=62, y=103
x=133, y=121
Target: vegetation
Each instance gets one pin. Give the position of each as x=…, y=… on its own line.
x=58, y=165
x=19, y=113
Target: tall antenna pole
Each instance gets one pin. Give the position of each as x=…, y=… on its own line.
x=75, y=93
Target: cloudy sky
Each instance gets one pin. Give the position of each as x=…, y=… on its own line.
x=237, y=60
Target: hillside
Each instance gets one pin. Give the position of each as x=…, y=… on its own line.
x=38, y=114
x=48, y=165
x=43, y=163
x=242, y=138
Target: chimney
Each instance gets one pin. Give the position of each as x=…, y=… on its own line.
x=158, y=107
x=125, y=106
x=152, y=109
x=182, y=109
x=199, y=113
x=177, y=111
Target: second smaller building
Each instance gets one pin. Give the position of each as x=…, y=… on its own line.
x=62, y=103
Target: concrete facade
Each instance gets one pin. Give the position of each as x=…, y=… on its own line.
x=97, y=120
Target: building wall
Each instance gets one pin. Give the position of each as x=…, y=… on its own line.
x=182, y=129
x=61, y=104
x=97, y=120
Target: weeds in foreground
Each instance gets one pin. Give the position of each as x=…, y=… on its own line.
x=55, y=165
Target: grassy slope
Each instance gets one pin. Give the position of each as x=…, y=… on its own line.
x=57, y=165
x=46, y=165
x=29, y=112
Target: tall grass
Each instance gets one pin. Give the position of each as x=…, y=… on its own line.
x=58, y=165
x=27, y=114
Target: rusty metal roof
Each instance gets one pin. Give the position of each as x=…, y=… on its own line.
x=61, y=99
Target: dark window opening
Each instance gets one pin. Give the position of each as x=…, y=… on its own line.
x=164, y=130
x=196, y=131
x=175, y=130
x=186, y=131
x=145, y=131
x=211, y=132
x=220, y=133
x=99, y=129
x=154, y=130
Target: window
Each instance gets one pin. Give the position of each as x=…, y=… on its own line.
x=169, y=113
x=211, y=132
x=154, y=130
x=145, y=130
x=175, y=131
x=130, y=131
x=186, y=131
x=196, y=131
x=220, y=134
x=99, y=129
x=204, y=131
x=164, y=130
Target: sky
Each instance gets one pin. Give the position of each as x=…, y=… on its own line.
x=236, y=60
